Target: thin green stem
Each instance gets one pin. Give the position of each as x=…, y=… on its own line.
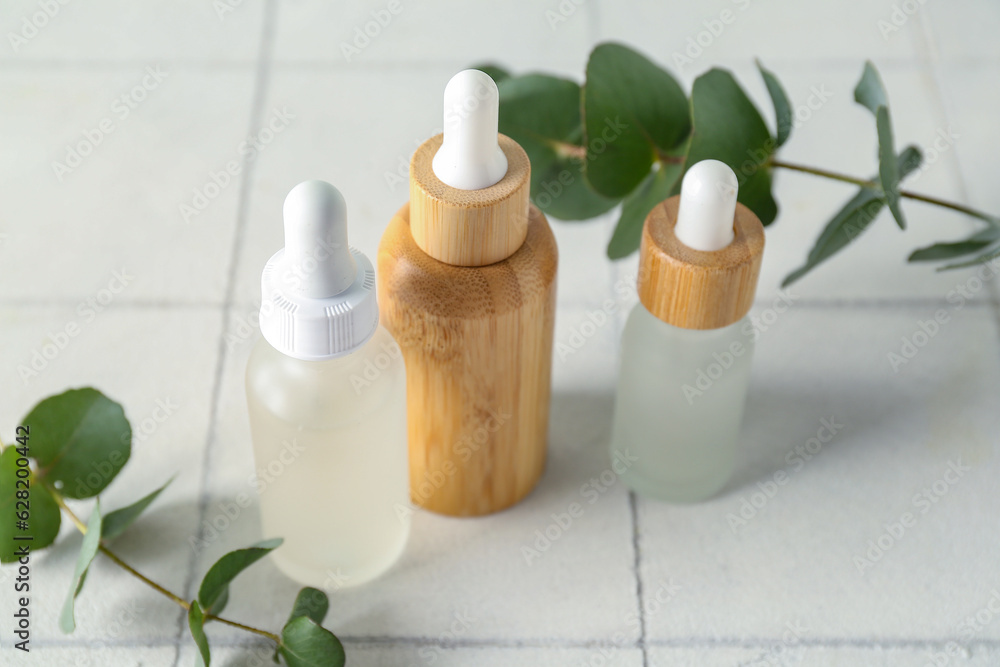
x=82, y=527
x=844, y=178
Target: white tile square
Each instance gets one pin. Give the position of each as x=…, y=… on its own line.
x=120, y=207
x=795, y=544
x=963, y=30
x=704, y=32
x=780, y=654
x=109, y=656
x=227, y=31
x=144, y=360
x=459, y=34
x=970, y=96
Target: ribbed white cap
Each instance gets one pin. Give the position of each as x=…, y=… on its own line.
x=317, y=293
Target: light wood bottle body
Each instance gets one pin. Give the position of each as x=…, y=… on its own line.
x=477, y=342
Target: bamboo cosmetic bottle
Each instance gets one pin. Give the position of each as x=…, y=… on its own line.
x=467, y=286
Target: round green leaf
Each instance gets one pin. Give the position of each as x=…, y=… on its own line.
x=728, y=127
x=306, y=644
x=542, y=114
x=310, y=602
x=81, y=440
x=633, y=110
x=43, y=522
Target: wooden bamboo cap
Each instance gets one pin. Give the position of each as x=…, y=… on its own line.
x=469, y=227
x=693, y=289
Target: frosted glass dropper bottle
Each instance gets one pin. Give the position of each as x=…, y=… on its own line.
x=326, y=391
x=687, y=346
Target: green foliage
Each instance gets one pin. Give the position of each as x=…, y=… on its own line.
x=81, y=440
x=728, y=128
x=196, y=623
x=115, y=523
x=91, y=543
x=854, y=218
x=634, y=134
x=310, y=602
x=304, y=643
x=542, y=113
x=214, y=591
x=43, y=514
x=870, y=92
x=653, y=190
x=782, y=107
x=634, y=111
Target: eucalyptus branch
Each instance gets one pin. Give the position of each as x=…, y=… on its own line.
x=872, y=184
x=117, y=560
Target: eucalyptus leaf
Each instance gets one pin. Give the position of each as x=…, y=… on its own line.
x=542, y=114
x=728, y=127
x=115, y=523
x=940, y=251
x=870, y=93
x=81, y=439
x=851, y=220
x=43, y=517
x=196, y=623
x=496, y=72
x=653, y=190
x=782, y=108
x=88, y=550
x=985, y=257
x=633, y=112
x=304, y=643
x=312, y=603
x=213, y=594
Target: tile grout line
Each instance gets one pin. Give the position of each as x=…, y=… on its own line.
x=701, y=642
x=242, y=214
x=636, y=562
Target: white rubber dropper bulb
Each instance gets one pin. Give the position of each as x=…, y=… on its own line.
x=708, y=206
x=470, y=157
x=317, y=262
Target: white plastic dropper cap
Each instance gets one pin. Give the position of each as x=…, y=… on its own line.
x=317, y=293
x=708, y=206
x=470, y=157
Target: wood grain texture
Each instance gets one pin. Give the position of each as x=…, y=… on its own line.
x=469, y=227
x=477, y=342
x=694, y=289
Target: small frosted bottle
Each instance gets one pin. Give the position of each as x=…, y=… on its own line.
x=687, y=346
x=326, y=391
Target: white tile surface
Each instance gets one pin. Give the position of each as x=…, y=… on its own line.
x=709, y=595
x=137, y=357
x=117, y=30
x=520, y=33
x=797, y=548
x=120, y=207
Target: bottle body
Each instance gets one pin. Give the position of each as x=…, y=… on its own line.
x=478, y=348
x=330, y=452
x=679, y=406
